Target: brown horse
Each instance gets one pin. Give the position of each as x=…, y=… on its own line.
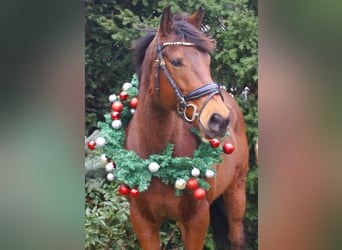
x=177, y=92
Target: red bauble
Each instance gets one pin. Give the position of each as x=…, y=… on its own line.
x=133, y=102
x=91, y=145
x=192, y=183
x=123, y=95
x=228, y=148
x=124, y=190
x=134, y=192
x=117, y=106
x=115, y=115
x=214, y=142
x=199, y=193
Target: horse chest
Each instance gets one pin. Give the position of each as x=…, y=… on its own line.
x=159, y=202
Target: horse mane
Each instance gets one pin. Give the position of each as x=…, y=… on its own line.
x=183, y=29
x=139, y=49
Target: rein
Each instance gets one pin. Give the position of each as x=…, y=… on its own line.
x=209, y=89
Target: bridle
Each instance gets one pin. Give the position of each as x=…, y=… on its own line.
x=209, y=89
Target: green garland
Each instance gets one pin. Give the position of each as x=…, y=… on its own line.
x=133, y=171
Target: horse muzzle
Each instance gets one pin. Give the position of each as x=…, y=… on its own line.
x=216, y=127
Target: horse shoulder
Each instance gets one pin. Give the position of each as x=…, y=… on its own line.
x=238, y=135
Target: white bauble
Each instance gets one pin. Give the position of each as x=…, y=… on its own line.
x=180, y=184
x=132, y=111
x=110, y=177
x=116, y=124
x=109, y=166
x=209, y=173
x=195, y=172
x=112, y=98
x=153, y=167
x=126, y=86
x=100, y=141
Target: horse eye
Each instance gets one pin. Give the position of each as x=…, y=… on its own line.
x=176, y=62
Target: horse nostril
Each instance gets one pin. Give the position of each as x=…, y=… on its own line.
x=215, y=122
x=218, y=124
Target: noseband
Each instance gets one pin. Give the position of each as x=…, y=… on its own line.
x=209, y=89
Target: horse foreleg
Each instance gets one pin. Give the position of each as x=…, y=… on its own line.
x=194, y=230
x=235, y=203
x=146, y=231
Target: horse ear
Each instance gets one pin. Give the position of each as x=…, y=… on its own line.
x=197, y=18
x=166, y=22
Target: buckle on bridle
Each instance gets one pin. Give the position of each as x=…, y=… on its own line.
x=159, y=62
x=181, y=105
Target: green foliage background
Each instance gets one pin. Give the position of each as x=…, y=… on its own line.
x=110, y=28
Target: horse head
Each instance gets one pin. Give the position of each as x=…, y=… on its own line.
x=182, y=75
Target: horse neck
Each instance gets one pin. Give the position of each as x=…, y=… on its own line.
x=156, y=126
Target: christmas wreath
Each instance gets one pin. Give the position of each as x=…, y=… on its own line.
x=136, y=173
